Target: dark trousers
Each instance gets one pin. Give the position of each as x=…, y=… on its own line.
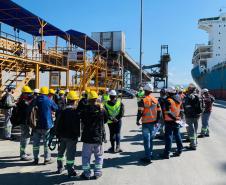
x=172, y=129
x=115, y=130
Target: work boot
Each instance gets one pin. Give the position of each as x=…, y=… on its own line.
x=177, y=153
x=201, y=136
x=207, y=135
x=145, y=160
x=25, y=158
x=111, y=150
x=83, y=176
x=191, y=147
x=97, y=176
x=36, y=161
x=72, y=173
x=118, y=149
x=60, y=170
x=164, y=156
x=49, y=161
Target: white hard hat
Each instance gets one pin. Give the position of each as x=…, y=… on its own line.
x=205, y=90
x=148, y=87
x=112, y=93
x=171, y=90
x=67, y=90
x=36, y=90
x=141, y=88
x=107, y=89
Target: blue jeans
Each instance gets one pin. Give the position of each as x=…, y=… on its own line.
x=172, y=129
x=115, y=133
x=205, y=123
x=147, y=131
x=24, y=139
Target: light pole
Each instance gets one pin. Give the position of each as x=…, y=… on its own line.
x=141, y=38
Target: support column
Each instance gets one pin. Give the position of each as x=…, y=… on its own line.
x=37, y=76
x=67, y=79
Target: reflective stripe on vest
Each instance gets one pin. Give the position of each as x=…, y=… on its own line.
x=174, y=110
x=113, y=111
x=150, y=110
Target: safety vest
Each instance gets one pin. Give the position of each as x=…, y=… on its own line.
x=140, y=95
x=175, y=109
x=106, y=98
x=150, y=109
x=114, y=110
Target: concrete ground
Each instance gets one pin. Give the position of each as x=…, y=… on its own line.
x=206, y=166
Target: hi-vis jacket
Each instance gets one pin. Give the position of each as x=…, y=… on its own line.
x=173, y=110
x=149, y=107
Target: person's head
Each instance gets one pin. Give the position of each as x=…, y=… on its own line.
x=112, y=95
x=36, y=91
x=51, y=92
x=61, y=92
x=205, y=92
x=141, y=89
x=44, y=90
x=171, y=91
x=10, y=89
x=191, y=88
x=26, y=91
x=57, y=90
x=72, y=97
x=162, y=92
x=93, y=96
x=148, y=89
x=107, y=90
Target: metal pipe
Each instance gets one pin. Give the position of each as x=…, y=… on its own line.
x=141, y=39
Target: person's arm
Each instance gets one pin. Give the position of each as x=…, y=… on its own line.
x=54, y=106
x=9, y=101
x=121, y=113
x=140, y=111
x=159, y=111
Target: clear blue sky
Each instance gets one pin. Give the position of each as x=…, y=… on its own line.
x=172, y=22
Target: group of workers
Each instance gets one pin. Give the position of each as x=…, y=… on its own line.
x=175, y=108
x=42, y=112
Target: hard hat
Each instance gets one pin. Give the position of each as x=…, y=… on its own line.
x=191, y=85
x=113, y=93
x=52, y=91
x=87, y=91
x=72, y=95
x=93, y=95
x=205, y=90
x=148, y=87
x=62, y=92
x=67, y=91
x=26, y=89
x=107, y=89
x=171, y=90
x=36, y=91
x=44, y=90
x=141, y=88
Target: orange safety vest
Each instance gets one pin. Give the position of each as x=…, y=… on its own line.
x=175, y=109
x=150, y=109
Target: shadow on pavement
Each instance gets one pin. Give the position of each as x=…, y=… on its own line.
x=219, y=105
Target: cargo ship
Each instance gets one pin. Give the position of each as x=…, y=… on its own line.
x=209, y=60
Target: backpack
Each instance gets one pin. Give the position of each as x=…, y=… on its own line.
x=32, y=116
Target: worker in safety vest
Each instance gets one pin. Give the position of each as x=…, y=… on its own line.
x=106, y=96
x=115, y=112
x=140, y=94
x=172, y=117
x=149, y=112
x=68, y=131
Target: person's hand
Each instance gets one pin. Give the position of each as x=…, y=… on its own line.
x=115, y=120
x=138, y=123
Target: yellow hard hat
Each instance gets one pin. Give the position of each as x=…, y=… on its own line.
x=93, y=95
x=72, y=95
x=26, y=89
x=62, y=92
x=44, y=90
x=87, y=91
x=52, y=91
